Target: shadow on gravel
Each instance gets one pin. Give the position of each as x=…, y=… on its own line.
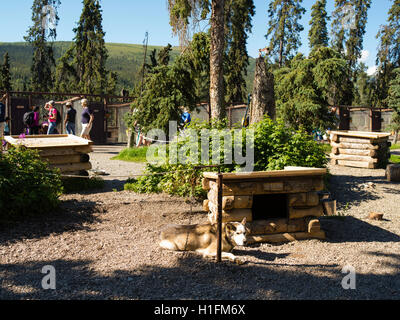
x=193, y=278
x=350, y=229
x=72, y=215
x=350, y=191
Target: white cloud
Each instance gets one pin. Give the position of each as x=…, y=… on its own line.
x=372, y=70
x=364, y=56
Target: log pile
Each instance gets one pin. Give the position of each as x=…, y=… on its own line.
x=302, y=187
x=369, y=150
x=68, y=153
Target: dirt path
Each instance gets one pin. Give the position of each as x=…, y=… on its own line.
x=118, y=171
x=104, y=245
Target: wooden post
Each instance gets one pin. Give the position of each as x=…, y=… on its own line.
x=219, y=218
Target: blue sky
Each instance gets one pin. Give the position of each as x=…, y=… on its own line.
x=126, y=21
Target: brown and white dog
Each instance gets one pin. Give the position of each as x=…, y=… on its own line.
x=202, y=238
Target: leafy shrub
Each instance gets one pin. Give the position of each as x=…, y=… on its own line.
x=27, y=185
x=275, y=146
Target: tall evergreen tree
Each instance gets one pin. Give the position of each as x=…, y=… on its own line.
x=318, y=34
x=350, y=20
x=238, y=15
x=39, y=33
x=5, y=74
x=180, y=13
x=388, y=57
x=88, y=55
x=284, y=28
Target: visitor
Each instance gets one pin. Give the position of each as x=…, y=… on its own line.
x=34, y=127
x=87, y=119
x=6, y=131
x=70, y=118
x=44, y=126
x=52, y=119
x=186, y=119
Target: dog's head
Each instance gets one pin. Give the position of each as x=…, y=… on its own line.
x=236, y=232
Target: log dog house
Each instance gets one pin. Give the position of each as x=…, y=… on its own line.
x=68, y=153
x=360, y=149
x=279, y=206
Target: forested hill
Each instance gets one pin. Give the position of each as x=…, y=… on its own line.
x=125, y=59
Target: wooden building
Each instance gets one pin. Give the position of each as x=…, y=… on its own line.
x=279, y=205
x=69, y=153
x=360, y=149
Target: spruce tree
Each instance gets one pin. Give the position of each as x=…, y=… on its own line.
x=39, y=33
x=5, y=74
x=350, y=20
x=238, y=15
x=388, y=57
x=85, y=61
x=284, y=28
x=318, y=34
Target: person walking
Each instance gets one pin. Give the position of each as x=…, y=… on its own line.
x=52, y=117
x=70, y=118
x=34, y=128
x=87, y=119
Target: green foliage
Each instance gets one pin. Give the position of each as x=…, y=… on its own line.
x=365, y=88
x=318, y=34
x=166, y=90
x=132, y=155
x=124, y=59
x=27, y=185
x=275, y=146
x=349, y=41
x=43, y=62
x=394, y=92
x=306, y=88
x=284, y=28
x=238, y=15
x=5, y=76
x=394, y=158
x=83, y=67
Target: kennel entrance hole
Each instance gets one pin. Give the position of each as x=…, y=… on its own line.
x=268, y=206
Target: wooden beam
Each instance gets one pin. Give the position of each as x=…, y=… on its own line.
x=268, y=174
x=356, y=164
x=356, y=152
x=354, y=158
x=308, y=199
x=297, y=213
x=360, y=146
x=288, y=185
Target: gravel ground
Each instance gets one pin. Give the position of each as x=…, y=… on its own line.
x=104, y=245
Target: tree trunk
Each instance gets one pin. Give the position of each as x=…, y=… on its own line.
x=216, y=59
x=263, y=97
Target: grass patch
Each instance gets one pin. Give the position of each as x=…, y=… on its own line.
x=395, y=158
x=395, y=146
x=76, y=184
x=327, y=148
x=132, y=155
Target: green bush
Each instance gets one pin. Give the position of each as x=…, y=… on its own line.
x=27, y=185
x=275, y=146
